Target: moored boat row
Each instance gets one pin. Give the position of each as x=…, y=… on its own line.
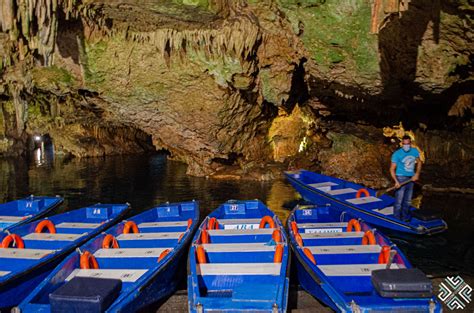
x=93, y=260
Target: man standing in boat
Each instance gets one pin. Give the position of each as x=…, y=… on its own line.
x=402, y=170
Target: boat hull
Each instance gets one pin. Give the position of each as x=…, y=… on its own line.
x=17, y=287
x=318, y=197
x=160, y=275
x=240, y=274
x=349, y=291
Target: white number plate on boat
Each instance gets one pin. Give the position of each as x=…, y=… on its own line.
x=323, y=230
x=241, y=226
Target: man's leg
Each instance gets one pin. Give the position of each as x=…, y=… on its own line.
x=405, y=211
x=397, y=207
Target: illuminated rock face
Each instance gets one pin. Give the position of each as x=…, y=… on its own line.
x=228, y=83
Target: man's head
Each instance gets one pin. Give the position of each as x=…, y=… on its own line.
x=406, y=143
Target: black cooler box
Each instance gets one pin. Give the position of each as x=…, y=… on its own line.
x=85, y=295
x=402, y=283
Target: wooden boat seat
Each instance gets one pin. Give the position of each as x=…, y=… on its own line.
x=324, y=186
x=238, y=247
x=13, y=219
x=237, y=221
x=149, y=236
x=350, y=249
x=234, y=232
x=319, y=225
x=52, y=237
x=342, y=191
x=125, y=275
x=352, y=234
x=363, y=200
x=353, y=269
x=239, y=269
x=163, y=224
x=385, y=211
x=28, y=254
x=129, y=252
x=78, y=225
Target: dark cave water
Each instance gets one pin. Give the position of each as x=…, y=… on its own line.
x=147, y=180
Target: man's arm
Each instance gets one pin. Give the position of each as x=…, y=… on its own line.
x=393, y=167
x=418, y=170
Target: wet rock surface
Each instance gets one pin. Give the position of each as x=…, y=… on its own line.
x=240, y=89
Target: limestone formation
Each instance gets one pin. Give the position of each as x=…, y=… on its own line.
x=235, y=85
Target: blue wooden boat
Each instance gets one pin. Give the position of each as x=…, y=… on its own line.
x=343, y=262
x=141, y=256
x=22, y=211
x=30, y=251
x=361, y=202
x=239, y=261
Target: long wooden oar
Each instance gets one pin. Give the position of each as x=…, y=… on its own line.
x=384, y=191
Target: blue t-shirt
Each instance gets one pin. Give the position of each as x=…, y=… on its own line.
x=405, y=161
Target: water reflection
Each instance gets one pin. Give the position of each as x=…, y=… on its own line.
x=143, y=181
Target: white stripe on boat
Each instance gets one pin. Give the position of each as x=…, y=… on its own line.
x=316, y=225
x=4, y=273
x=10, y=218
x=353, y=269
x=340, y=191
x=350, y=249
x=78, y=225
x=52, y=237
x=352, y=234
x=237, y=247
x=125, y=275
x=323, y=184
x=29, y=254
x=239, y=269
x=323, y=230
x=233, y=232
x=240, y=223
x=363, y=200
x=149, y=236
x=129, y=252
x=163, y=224
x=385, y=211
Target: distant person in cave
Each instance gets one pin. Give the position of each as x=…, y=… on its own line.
x=402, y=170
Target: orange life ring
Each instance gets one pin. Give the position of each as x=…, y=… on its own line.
x=88, y=261
x=201, y=255
x=278, y=254
x=15, y=239
x=276, y=235
x=190, y=222
x=309, y=255
x=213, y=224
x=384, y=255
x=45, y=224
x=204, y=236
x=180, y=237
x=299, y=240
x=353, y=223
x=130, y=225
x=267, y=220
x=163, y=254
x=369, y=238
x=110, y=242
x=294, y=227
x=362, y=191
